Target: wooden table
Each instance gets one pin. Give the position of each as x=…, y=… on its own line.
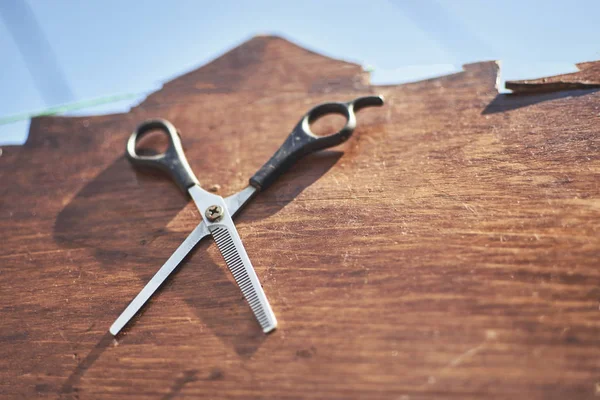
x=450, y=249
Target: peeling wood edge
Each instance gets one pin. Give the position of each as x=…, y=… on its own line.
x=524, y=87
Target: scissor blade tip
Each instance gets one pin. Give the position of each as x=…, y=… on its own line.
x=114, y=331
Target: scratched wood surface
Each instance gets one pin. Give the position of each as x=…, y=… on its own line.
x=448, y=250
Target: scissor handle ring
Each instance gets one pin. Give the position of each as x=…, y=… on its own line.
x=147, y=127
x=303, y=141
x=172, y=161
x=320, y=111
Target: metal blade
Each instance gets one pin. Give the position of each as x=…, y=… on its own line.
x=233, y=251
x=163, y=273
x=234, y=203
x=236, y=258
x=237, y=201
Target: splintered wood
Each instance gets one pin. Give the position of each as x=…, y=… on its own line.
x=449, y=249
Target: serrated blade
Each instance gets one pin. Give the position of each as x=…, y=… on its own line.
x=231, y=248
x=217, y=218
x=234, y=203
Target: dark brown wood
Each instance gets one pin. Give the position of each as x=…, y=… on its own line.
x=448, y=250
x=588, y=77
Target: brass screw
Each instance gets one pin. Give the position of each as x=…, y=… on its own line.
x=214, y=213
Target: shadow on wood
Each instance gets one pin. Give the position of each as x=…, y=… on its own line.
x=89, y=221
x=70, y=385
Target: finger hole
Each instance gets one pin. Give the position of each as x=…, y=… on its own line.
x=328, y=124
x=152, y=143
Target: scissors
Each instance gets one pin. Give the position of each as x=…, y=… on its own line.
x=217, y=212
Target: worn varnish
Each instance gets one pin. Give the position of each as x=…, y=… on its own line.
x=448, y=250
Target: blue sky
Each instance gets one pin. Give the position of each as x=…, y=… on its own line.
x=69, y=51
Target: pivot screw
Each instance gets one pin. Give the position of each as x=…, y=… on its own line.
x=214, y=213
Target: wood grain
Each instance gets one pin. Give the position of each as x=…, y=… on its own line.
x=448, y=250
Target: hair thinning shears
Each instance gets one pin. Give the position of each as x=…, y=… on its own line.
x=217, y=212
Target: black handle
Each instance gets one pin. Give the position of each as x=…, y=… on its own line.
x=302, y=141
x=172, y=161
